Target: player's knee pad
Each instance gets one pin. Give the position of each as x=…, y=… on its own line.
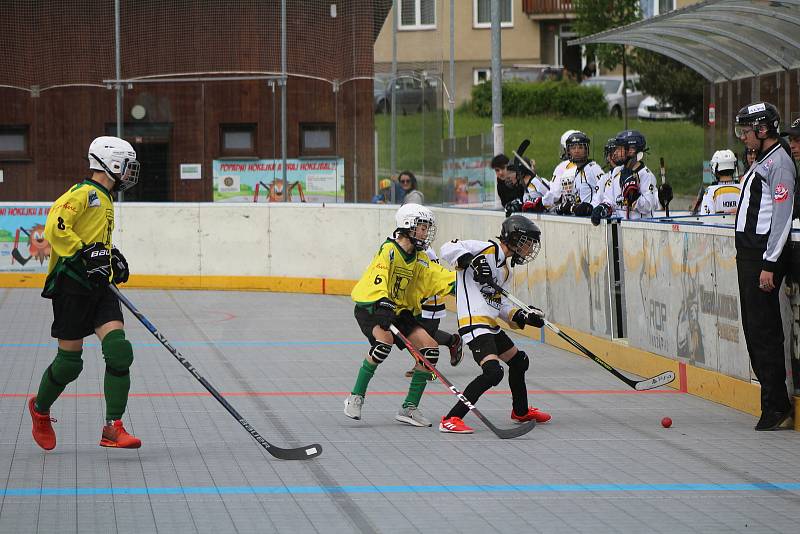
x=492, y=372
x=431, y=354
x=117, y=352
x=66, y=367
x=519, y=363
x=380, y=351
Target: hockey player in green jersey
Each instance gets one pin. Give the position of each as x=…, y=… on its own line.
x=390, y=292
x=83, y=262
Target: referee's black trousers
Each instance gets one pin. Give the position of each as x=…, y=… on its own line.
x=763, y=333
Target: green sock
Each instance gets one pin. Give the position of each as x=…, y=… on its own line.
x=117, y=379
x=65, y=368
x=365, y=374
x=418, y=382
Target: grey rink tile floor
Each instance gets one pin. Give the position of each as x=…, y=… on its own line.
x=286, y=362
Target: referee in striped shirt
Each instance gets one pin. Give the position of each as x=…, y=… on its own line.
x=763, y=222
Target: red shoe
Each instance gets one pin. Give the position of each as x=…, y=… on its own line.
x=454, y=425
x=116, y=436
x=456, y=350
x=533, y=413
x=43, y=433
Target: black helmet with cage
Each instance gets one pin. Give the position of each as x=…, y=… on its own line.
x=611, y=144
x=522, y=237
x=576, y=139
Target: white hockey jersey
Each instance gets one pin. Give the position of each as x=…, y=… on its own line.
x=721, y=198
x=644, y=206
x=572, y=185
x=480, y=306
x=433, y=307
x=603, y=183
x=536, y=188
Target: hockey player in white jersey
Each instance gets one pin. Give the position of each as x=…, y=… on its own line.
x=563, y=156
x=723, y=195
x=632, y=194
x=604, y=180
x=479, y=308
x=535, y=186
x=572, y=191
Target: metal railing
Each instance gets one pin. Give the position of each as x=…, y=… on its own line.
x=545, y=7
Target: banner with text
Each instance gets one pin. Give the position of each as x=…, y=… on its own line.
x=23, y=247
x=318, y=180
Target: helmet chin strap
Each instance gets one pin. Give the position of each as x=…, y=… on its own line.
x=114, y=178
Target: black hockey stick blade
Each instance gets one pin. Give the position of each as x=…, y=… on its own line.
x=501, y=433
x=639, y=385
x=299, y=453
x=18, y=257
x=523, y=146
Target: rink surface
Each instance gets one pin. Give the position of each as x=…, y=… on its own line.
x=286, y=362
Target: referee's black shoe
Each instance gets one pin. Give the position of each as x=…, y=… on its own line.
x=772, y=419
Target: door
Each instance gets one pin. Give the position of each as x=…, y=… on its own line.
x=153, y=183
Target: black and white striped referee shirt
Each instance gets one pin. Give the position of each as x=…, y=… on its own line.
x=764, y=216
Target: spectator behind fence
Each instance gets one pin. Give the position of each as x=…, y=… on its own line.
x=408, y=183
x=384, y=195
x=763, y=223
x=748, y=157
x=510, y=188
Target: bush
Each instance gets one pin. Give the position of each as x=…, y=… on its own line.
x=563, y=98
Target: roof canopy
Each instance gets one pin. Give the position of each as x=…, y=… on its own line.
x=721, y=40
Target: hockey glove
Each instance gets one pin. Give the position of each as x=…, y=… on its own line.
x=513, y=207
x=119, y=266
x=584, y=209
x=464, y=261
x=534, y=206
x=603, y=211
x=565, y=208
x=97, y=263
x=665, y=194
x=482, y=271
x=630, y=186
x=383, y=312
x=523, y=317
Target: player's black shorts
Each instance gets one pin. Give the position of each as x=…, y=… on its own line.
x=77, y=316
x=487, y=344
x=404, y=322
x=430, y=325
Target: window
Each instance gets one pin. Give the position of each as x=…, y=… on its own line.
x=14, y=143
x=318, y=139
x=653, y=8
x=481, y=75
x=238, y=140
x=417, y=15
x=482, y=13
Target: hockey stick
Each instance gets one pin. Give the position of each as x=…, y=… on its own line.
x=639, y=385
x=15, y=253
x=663, y=181
x=499, y=432
x=300, y=453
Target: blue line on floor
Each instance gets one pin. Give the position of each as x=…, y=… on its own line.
x=317, y=490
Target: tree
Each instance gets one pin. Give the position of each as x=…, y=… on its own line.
x=671, y=82
x=594, y=16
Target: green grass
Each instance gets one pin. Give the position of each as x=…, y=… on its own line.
x=679, y=143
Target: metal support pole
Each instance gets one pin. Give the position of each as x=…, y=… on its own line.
x=452, y=96
x=624, y=90
x=283, y=101
x=118, y=71
x=497, y=78
x=393, y=81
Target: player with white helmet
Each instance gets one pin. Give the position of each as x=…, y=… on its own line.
x=83, y=263
x=562, y=155
x=572, y=191
x=390, y=292
x=723, y=195
x=632, y=193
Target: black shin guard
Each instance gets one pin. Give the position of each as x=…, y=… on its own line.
x=516, y=382
x=491, y=376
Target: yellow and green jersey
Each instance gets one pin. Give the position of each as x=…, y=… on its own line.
x=81, y=216
x=406, y=279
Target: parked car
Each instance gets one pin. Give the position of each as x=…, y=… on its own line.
x=612, y=88
x=412, y=94
x=652, y=109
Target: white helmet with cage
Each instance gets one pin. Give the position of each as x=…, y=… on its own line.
x=723, y=160
x=117, y=158
x=418, y=223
